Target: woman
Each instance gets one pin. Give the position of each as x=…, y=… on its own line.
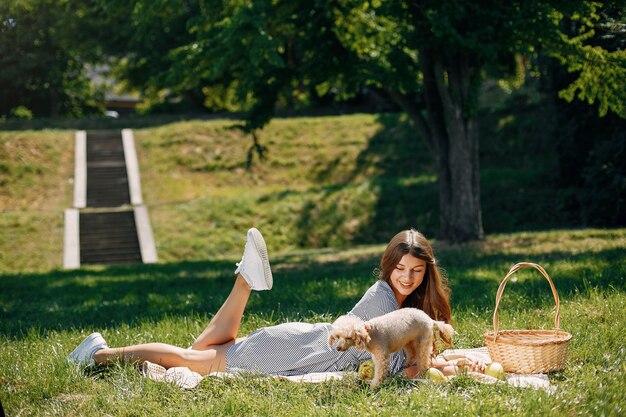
x=409, y=277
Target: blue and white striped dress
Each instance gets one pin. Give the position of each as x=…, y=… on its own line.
x=302, y=348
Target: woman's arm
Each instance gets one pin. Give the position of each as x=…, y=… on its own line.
x=377, y=301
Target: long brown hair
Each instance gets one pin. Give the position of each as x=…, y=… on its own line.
x=433, y=294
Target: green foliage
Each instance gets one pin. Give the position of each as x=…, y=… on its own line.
x=268, y=50
x=600, y=79
x=41, y=67
x=21, y=112
x=601, y=65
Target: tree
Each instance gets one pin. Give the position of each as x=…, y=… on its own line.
x=136, y=38
x=40, y=65
x=429, y=56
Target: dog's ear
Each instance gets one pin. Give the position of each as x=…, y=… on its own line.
x=362, y=338
x=331, y=340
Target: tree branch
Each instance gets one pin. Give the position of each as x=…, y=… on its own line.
x=438, y=73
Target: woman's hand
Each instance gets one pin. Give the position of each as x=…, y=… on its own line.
x=457, y=365
x=470, y=365
x=449, y=367
x=445, y=366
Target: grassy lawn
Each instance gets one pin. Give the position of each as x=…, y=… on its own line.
x=321, y=198
x=44, y=315
x=325, y=182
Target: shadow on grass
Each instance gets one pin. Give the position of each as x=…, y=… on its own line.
x=109, y=297
x=475, y=277
x=401, y=172
x=396, y=168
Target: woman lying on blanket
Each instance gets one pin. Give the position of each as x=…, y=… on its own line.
x=409, y=277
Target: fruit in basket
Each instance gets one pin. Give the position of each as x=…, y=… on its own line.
x=435, y=375
x=366, y=370
x=495, y=370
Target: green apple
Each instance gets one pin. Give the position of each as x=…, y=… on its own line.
x=366, y=370
x=495, y=370
x=435, y=375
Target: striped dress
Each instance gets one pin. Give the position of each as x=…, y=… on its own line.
x=301, y=348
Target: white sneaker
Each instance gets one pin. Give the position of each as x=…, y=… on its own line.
x=255, y=265
x=83, y=354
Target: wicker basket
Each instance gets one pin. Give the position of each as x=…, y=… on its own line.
x=528, y=351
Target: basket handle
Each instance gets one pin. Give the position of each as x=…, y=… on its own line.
x=513, y=270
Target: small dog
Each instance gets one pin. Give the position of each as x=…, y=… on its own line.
x=408, y=328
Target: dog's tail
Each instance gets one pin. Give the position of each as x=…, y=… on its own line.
x=446, y=332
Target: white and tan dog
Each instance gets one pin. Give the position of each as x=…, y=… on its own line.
x=408, y=328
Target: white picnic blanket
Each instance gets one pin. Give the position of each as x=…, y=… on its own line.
x=188, y=379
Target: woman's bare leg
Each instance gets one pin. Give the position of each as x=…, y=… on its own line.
x=224, y=326
x=211, y=359
x=208, y=353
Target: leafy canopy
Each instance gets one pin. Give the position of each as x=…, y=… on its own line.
x=265, y=50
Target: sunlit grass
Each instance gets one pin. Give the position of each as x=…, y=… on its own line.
x=36, y=170
x=333, y=181
x=44, y=315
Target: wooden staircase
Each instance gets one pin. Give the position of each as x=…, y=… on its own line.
x=109, y=224
x=107, y=181
x=109, y=238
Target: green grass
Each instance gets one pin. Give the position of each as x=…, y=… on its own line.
x=322, y=198
x=36, y=170
x=44, y=315
x=326, y=181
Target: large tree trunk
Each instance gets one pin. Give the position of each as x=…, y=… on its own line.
x=449, y=128
x=454, y=137
x=460, y=216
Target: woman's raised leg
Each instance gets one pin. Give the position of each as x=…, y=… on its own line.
x=224, y=326
x=253, y=273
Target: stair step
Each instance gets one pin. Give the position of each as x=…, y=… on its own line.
x=109, y=238
x=107, y=180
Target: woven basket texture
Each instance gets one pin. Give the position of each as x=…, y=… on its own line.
x=528, y=351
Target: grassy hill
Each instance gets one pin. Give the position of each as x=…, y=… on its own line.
x=36, y=175
x=326, y=181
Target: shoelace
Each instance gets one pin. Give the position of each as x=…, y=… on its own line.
x=239, y=264
x=242, y=256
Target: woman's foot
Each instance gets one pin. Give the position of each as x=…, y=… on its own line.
x=83, y=354
x=255, y=265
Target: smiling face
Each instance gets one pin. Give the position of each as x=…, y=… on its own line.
x=407, y=276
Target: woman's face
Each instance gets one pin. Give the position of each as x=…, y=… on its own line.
x=407, y=276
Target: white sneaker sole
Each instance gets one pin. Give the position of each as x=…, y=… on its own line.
x=259, y=242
